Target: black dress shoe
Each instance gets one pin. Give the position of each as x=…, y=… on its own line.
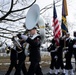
x=62, y=74
x=49, y=74
x=54, y=74
x=59, y=73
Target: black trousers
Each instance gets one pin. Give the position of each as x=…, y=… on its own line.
x=53, y=60
x=21, y=64
x=12, y=65
x=34, y=68
x=74, y=52
x=60, y=63
x=68, y=60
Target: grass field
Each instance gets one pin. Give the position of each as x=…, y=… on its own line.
x=7, y=60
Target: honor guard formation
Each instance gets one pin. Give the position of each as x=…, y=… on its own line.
x=31, y=42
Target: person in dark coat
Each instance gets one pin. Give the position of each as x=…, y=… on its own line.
x=68, y=55
x=21, y=59
x=74, y=47
x=13, y=60
x=60, y=63
x=34, y=49
x=53, y=51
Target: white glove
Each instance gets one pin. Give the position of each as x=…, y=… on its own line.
x=74, y=46
x=24, y=37
x=55, y=57
x=65, y=52
x=26, y=52
x=64, y=37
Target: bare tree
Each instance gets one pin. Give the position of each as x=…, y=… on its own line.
x=13, y=14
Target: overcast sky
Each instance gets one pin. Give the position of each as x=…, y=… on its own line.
x=71, y=5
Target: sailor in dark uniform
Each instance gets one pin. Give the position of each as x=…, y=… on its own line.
x=60, y=63
x=13, y=58
x=34, y=49
x=74, y=47
x=52, y=50
x=21, y=58
x=68, y=55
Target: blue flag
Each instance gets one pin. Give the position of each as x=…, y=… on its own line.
x=64, y=26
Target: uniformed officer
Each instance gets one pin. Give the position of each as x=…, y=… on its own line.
x=34, y=49
x=53, y=51
x=13, y=58
x=60, y=63
x=21, y=59
x=68, y=56
x=74, y=47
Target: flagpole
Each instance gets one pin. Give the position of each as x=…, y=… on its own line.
x=53, y=2
x=64, y=22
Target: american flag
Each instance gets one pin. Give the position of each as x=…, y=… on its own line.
x=57, y=27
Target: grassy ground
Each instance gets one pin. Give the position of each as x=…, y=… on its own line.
x=7, y=60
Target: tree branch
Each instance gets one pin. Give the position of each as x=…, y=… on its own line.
x=8, y=30
x=3, y=17
x=23, y=8
x=15, y=19
x=5, y=37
